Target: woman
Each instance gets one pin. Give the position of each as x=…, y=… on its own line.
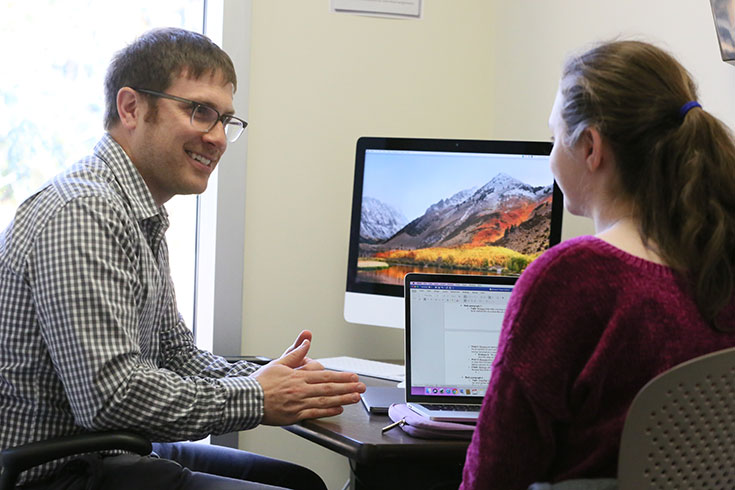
x=595, y=318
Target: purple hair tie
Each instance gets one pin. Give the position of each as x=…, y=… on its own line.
x=687, y=107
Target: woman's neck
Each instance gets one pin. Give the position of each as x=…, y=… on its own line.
x=624, y=233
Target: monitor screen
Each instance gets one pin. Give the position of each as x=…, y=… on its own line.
x=447, y=206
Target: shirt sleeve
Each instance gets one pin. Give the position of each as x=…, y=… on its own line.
x=181, y=355
x=94, y=306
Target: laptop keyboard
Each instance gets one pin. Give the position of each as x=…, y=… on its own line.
x=452, y=408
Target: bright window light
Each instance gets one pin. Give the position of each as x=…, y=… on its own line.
x=51, y=99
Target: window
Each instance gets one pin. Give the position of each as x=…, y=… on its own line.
x=52, y=102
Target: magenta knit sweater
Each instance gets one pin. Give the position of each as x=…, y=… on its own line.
x=587, y=326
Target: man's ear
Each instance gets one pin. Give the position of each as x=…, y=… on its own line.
x=128, y=107
x=591, y=143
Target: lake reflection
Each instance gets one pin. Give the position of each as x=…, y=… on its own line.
x=394, y=274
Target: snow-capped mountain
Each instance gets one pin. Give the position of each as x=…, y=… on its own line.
x=379, y=220
x=503, y=187
x=482, y=216
x=458, y=198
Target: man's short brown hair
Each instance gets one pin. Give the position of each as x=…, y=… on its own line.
x=157, y=57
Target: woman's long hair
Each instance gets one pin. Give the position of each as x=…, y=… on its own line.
x=676, y=166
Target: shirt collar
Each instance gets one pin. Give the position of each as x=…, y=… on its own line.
x=130, y=180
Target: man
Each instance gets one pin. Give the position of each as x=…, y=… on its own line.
x=90, y=336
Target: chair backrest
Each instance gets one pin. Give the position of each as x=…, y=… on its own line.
x=680, y=429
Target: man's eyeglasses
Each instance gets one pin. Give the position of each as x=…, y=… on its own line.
x=203, y=117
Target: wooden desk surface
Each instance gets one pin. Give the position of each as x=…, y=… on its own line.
x=357, y=434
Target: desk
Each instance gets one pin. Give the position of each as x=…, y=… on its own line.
x=385, y=460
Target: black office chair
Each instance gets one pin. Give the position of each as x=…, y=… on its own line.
x=15, y=460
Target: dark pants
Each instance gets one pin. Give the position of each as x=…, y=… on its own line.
x=183, y=466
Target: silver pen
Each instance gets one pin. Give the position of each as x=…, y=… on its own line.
x=399, y=423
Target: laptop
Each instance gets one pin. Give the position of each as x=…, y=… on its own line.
x=453, y=324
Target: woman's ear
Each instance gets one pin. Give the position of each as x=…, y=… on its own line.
x=128, y=107
x=591, y=147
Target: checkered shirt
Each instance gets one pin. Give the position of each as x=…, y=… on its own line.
x=90, y=336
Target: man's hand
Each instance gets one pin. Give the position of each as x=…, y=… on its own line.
x=298, y=388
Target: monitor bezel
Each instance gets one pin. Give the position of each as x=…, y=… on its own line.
x=365, y=143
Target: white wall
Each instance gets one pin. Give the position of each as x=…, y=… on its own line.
x=469, y=69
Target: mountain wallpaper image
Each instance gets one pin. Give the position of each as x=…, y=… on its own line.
x=498, y=228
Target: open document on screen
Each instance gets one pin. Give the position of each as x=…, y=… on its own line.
x=455, y=333
x=452, y=337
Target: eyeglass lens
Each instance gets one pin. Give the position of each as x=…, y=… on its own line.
x=233, y=130
x=205, y=118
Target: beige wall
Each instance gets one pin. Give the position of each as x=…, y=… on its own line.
x=318, y=82
x=532, y=38
x=469, y=69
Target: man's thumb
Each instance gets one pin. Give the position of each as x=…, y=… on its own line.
x=295, y=358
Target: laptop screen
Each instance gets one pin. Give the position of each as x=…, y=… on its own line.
x=453, y=326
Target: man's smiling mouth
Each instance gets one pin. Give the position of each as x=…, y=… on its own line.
x=199, y=158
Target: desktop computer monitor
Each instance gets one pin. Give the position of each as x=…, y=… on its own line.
x=452, y=206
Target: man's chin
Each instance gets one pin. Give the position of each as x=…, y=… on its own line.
x=198, y=187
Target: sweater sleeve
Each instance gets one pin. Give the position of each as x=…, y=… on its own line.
x=543, y=346
x=513, y=443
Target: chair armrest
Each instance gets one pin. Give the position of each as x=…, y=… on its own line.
x=17, y=459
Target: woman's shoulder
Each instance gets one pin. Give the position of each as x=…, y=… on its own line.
x=575, y=252
x=581, y=244
x=584, y=264
x=590, y=251
x=586, y=272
